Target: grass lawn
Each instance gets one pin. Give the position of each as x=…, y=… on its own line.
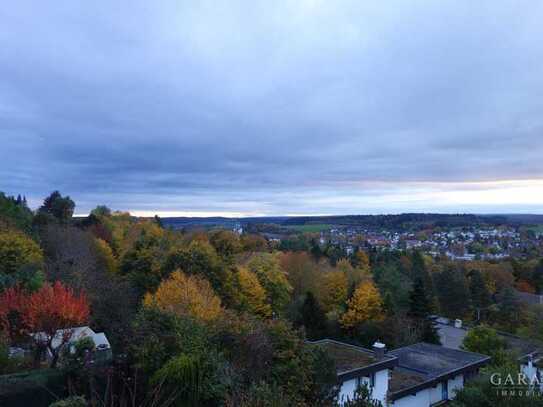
x=311, y=228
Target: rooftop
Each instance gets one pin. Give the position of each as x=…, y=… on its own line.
x=422, y=365
x=351, y=358
x=434, y=360
x=403, y=378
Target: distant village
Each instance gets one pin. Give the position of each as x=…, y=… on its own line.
x=466, y=243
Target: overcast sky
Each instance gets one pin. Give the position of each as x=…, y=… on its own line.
x=274, y=107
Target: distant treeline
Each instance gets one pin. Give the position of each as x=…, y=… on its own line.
x=406, y=220
x=402, y=221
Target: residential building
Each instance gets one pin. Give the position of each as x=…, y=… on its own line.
x=429, y=374
x=356, y=365
x=419, y=375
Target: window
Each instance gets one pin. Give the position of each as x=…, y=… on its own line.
x=361, y=380
x=445, y=390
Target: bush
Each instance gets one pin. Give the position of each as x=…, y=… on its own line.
x=35, y=388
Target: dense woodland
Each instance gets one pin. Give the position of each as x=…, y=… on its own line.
x=215, y=318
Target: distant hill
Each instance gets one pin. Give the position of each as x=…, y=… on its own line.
x=404, y=221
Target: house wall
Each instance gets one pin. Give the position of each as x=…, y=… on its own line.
x=421, y=399
x=381, y=385
x=427, y=397
x=435, y=394
x=379, y=390
x=530, y=371
x=347, y=390
x=455, y=384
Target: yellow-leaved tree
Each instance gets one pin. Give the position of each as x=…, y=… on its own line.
x=249, y=294
x=364, y=305
x=106, y=255
x=355, y=275
x=186, y=295
x=333, y=290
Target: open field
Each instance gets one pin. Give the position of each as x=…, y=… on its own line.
x=311, y=228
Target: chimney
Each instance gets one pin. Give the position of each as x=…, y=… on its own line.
x=379, y=349
x=458, y=323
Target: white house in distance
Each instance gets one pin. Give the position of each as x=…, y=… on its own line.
x=100, y=340
x=419, y=375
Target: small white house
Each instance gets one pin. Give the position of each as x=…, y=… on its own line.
x=75, y=334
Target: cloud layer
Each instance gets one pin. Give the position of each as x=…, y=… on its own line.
x=258, y=107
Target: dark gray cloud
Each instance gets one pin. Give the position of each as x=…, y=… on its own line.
x=274, y=107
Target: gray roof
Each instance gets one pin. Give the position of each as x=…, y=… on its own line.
x=354, y=361
x=424, y=365
x=434, y=360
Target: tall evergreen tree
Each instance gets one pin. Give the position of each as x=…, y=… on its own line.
x=537, y=277
x=509, y=308
x=420, y=310
x=419, y=305
x=453, y=292
x=480, y=296
x=313, y=317
x=420, y=271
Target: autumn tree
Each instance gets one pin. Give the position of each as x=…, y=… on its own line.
x=17, y=250
x=43, y=313
x=271, y=276
x=361, y=261
x=333, y=290
x=355, y=275
x=497, y=276
x=21, y=260
x=106, y=256
x=365, y=305
x=249, y=295
x=253, y=243
x=74, y=257
x=301, y=271
x=142, y=264
x=199, y=258
x=226, y=243
x=186, y=295
x=13, y=301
